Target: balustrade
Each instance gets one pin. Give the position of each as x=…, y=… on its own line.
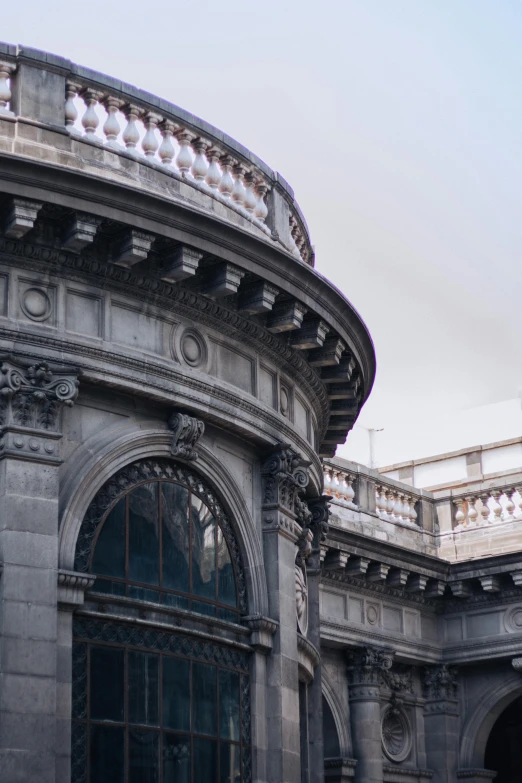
x=338, y=484
x=487, y=508
x=393, y=505
x=148, y=135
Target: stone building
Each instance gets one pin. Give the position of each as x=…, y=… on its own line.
x=175, y=603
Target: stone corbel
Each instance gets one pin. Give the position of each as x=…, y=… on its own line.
x=19, y=217
x=72, y=587
x=32, y=397
x=186, y=432
x=262, y=629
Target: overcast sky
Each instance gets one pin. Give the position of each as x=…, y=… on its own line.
x=399, y=125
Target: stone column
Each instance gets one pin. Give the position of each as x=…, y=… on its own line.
x=285, y=476
x=31, y=399
x=441, y=722
x=365, y=669
x=319, y=527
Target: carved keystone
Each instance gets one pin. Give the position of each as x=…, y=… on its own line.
x=180, y=264
x=186, y=433
x=19, y=217
x=134, y=247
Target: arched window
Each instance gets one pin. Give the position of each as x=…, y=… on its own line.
x=151, y=705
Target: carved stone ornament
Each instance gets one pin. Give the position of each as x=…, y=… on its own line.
x=301, y=597
x=367, y=665
x=32, y=396
x=186, y=433
x=395, y=733
x=516, y=663
x=285, y=477
x=399, y=679
x=440, y=682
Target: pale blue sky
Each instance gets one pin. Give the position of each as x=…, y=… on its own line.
x=399, y=125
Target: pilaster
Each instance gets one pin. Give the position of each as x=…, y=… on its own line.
x=32, y=396
x=441, y=722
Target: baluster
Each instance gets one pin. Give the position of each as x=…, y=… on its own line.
x=336, y=485
x=460, y=516
x=350, y=492
x=380, y=502
x=413, y=513
x=339, y=483
x=167, y=150
x=519, y=502
x=510, y=503
x=250, y=196
x=485, y=511
x=406, y=509
x=150, y=143
x=397, y=508
x=131, y=134
x=390, y=503
x=261, y=210
x=328, y=477
x=239, y=192
x=200, y=165
x=496, y=507
x=6, y=69
x=226, y=186
x=70, y=110
x=184, y=159
x=472, y=511
x=111, y=127
x=213, y=177
x=90, y=120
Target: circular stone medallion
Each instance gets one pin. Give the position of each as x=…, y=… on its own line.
x=395, y=733
x=192, y=348
x=35, y=304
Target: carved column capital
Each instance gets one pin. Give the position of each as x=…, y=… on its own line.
x=285, y=478
x=440, y=683
x=186, y=432
x=32, y=397
x=366, y=665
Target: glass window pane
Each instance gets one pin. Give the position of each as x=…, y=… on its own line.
x=108, y=587
x=204, y=704
x=203, y=550
x=143, y=534
x=226, y=578
x=143, y=686
x=169, y=599
x=109, y=553
x=107, y=754
x=144, y=594
x=176, y=759
x=205, y=760
x=176, y=537
x=176, y=694
x=106, y=686
x=202, y=608
x=229, y=704
x=229, y=763
x=143, y=757
x=228, y=615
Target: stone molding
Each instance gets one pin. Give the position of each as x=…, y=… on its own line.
x=399, y=774
x=72, y=586
x=440, y=683
x=186, y=432
x=262, y=630
x=308, y=658
x=341, y=770
x=32, y=396
x=476, y=775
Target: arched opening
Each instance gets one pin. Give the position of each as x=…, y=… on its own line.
x=504, y=746
x=330, y=736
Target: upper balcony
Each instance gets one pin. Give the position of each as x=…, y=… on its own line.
x=94, y=171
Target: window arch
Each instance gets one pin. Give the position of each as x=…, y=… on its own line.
x=154, y=705
x=157, y=532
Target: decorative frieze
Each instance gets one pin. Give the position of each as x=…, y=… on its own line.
x=440, y=683
x=186, y=432
x=32, y=397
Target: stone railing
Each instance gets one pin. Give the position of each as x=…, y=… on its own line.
x=487, y=507
x=132, y=123
x=338, y=484
x=394, y=505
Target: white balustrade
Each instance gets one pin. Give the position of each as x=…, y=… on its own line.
x=6, y=70
x=488, y=508
x=148, y=135
x=338, y=485
x=393, y=505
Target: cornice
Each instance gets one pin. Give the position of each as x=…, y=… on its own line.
x=391, y=594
